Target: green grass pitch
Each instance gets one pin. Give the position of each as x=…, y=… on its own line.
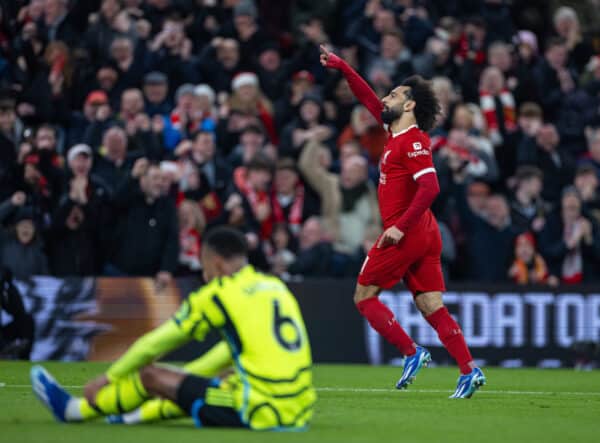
x=356, y=404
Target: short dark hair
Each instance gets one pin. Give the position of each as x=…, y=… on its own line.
x=585, y=169
x=396, y=33
x=427, y=106
x=527, y=172
x=260, y=162
x=254, y=129
x=555, y=41
x=226, y=242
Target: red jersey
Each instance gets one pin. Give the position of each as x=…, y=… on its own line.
x=405, y=158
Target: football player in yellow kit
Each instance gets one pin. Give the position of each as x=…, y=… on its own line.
x=264, y=340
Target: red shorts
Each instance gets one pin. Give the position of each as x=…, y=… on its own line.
x=416, y=259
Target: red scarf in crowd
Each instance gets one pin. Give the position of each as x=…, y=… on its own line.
x=572, y=265
x=267, y=120
x=189, y=248
x=463, y=50
x=294, y=218
x=488, y=107
x=538, y=274
x=255, y=198
x=193, y=125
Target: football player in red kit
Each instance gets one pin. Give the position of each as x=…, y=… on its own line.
x=410, y=247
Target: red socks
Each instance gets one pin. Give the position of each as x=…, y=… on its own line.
x=452, y=338
x=384, y=322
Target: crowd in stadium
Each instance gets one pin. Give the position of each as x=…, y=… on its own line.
x=128, y=128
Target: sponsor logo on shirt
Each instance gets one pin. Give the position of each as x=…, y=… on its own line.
x=418, y=153
x=417, y=146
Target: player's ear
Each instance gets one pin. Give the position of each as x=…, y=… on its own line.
x=220, y=265
x=409, y=105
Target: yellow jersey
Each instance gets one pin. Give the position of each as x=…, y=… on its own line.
x=262, y=324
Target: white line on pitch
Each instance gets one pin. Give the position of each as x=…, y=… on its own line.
x=422, y=391
x=442, y=391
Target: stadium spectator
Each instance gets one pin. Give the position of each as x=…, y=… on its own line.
x=435, y=60
x=247, y=98
x=186, y=119
x=544, y=151
x=21, y=249
x=490, y=230
x=364, y=128
x=309, y=125
x=171, y=52
x=114, y=161
x=292, y=203
x=529, y=122
x=567, y=26
x=554, y=78
x=219, y=62
x=145, y=236
x=367, y=29
x=253, y=182
x=393, y=63
x=570, y=242
x=592, y=156
x=203, y=89
x=58, y=23
x=286, y=108
x=497, y=104
x=314, y=252
x=16, y=335
x=80, y=221
x=156, y=94
x=252, y=142
x=529, y=267
x=528, y=210
x=586, y=183
x=10, y=136
x=282, y=249
x=128, y=61
x=191, y=227
x=203, y=153
x=348, y=200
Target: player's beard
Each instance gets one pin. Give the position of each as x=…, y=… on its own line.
x=390, y=115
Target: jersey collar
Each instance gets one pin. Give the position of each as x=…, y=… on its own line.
x=404, y=131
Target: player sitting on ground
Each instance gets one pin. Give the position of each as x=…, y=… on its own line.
x=410, y=247
x=271, y=387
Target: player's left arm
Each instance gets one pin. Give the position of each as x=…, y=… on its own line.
x=147, y=349
x=427, y=191
x=417, y=158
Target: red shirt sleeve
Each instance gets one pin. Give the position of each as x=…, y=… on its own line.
x=417, y=156
x=427, y=191
x=360, y=88
x=419, y=162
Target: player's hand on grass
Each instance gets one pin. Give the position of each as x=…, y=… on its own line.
x=391, y=236
x=91, y=389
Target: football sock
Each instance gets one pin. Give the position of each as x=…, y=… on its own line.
x=452, y=338
x=115, y=398
x=383, y=321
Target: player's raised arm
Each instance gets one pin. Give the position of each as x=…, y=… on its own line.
x=360, y=88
